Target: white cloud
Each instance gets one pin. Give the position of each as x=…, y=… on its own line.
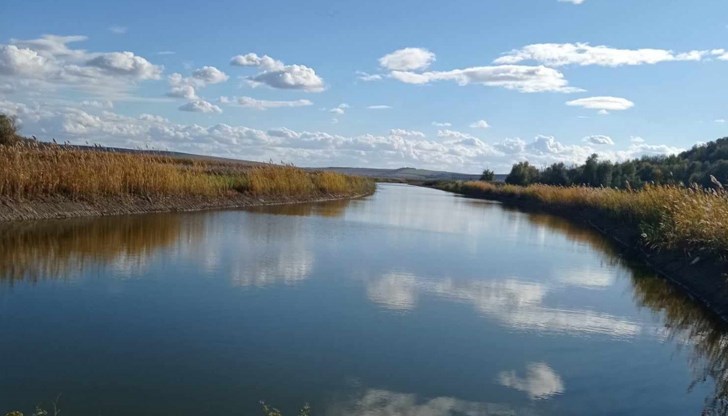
x=379, y=107
x=263, y=62
x=118, y=30
x=186, y=87
x=480, y=124
x=602, y=103
x=572, y=1
x=720, y=54
x=21, y=61
x=340, y=109
x=636, y=139
x=250, y=102
x=166, y=53
x=560, y=54
x=126, y=63
x=599, y=140
x=407, y=59
x=200, y=106
x=105, y=104
x=48, y=63
x=540, y=382
x=277, y=75
x=448, y=150
x=406, y=133
x=363, y=76
x=515, y=77
x=209, y=75
x=441, y=124
x=719, y=120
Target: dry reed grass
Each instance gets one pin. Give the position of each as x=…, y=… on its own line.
x=669, y=217
x=33, y=170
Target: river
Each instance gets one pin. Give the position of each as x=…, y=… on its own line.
x=411, y=301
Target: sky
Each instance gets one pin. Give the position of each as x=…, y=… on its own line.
x=450, y=85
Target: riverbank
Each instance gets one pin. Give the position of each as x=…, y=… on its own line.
x=45, y=181
x=60, y=207
x=700, y=272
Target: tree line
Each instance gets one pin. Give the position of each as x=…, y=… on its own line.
x=694, y=166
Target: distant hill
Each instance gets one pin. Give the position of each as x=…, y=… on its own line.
x=408, y=174
x=398, y=175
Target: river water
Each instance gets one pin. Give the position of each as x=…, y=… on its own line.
x=409, y=302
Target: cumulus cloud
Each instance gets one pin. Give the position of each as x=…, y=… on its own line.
x=275, y=74
x=441, y=124
x=406, y=133
x=604, y=104
x=339, y=109
x=560, y=54
x=407, y=59
x=480, y=124
x=186, y=87
x=599, y=140
x=577, y=2
x=263, y=62
x=200, y=106
x=250, y=102
x=126, y=63
x=209, y=75
x=447, y=150
x=49, y=62
x=379, y=107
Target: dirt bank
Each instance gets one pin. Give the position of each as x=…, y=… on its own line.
x=62, y=207
x=701, y=277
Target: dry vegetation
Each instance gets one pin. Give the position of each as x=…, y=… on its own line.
x=30, y=170
x=692, y=219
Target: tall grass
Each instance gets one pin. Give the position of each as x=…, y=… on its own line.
x=31, y=170
x=672, y=217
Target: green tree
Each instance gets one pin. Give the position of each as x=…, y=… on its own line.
x=487, y=175
x=522, y=173
x=8, y=130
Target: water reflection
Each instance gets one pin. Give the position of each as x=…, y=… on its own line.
x=283, y=246
x=380, y=402
x=514, y=303
x=687, y=325
x=540, y=381
x=30, y=251
x=323, y=209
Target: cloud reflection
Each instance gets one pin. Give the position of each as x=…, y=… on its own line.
x=377, y=402
x=540, y=382
x=514, y=303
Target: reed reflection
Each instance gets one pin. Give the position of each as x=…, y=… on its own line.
x=689, y=326
x=32, y=251
x=329, y=209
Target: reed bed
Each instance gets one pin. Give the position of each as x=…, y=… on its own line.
x=693, y=219
x=34, y=170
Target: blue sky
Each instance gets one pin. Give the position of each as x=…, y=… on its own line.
x=446, y=85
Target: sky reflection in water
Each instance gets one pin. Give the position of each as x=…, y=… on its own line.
x=409, y=302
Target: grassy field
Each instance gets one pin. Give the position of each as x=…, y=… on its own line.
x=30, y=170
x=669, y=217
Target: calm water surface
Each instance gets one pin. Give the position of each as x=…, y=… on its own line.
x=409, y=302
